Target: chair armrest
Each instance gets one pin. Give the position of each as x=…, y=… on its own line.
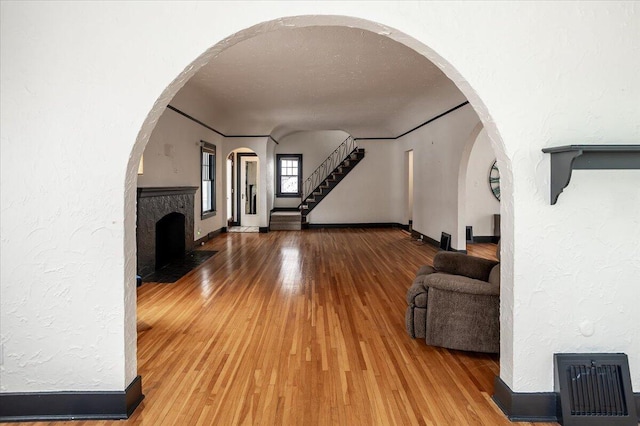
x=417, y=293
x=425, y=270
x=461, y=284
x=462, y=264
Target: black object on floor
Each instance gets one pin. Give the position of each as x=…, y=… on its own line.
x=178, y=268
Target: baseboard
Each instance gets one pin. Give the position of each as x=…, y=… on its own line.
x=532, y=407
x=356, y=225
x=525, y=407
x=486, y=239
x=285, y=209
x=428, y=240
x=55, y=406
x=210, y=236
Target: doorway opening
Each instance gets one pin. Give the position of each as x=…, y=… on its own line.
x=409, y=188
x=230, y=189
x=245, y=198
x=244, y=171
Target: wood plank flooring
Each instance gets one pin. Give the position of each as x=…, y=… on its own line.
x=302, y=328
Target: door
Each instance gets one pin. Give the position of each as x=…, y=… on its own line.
x=249, y=195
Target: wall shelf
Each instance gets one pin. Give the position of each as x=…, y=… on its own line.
x=564, y=159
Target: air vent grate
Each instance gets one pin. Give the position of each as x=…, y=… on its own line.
x=594, y=389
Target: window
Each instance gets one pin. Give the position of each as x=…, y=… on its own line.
x=289, y=176
x=208, y=163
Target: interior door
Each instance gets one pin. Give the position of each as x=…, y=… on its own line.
x=249, y=194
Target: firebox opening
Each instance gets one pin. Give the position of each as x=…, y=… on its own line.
x=170, y=239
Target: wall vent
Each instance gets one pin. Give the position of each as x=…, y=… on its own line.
x=469, y=234
x=594, y=389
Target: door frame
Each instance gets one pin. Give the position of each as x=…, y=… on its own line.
x=239, y=156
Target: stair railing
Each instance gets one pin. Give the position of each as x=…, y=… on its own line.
x=329, y=165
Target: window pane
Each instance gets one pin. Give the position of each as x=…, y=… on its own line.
x=288, y=175
x=208, y=171
x=289, y=184
x=206, y=199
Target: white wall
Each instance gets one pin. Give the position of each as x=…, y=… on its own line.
x=437, y=151
x=536, y=72
x=481, y=204
x=172, y=158
x=368, y=194
x=315, y=147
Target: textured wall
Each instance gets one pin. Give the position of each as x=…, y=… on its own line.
x=172, y=157
x=437, y=152
x=481, y=204
x=537, y=74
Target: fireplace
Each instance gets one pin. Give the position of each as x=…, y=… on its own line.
x=164, y=226
x=170, y=243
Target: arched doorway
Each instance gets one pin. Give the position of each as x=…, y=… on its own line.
x=311, y=21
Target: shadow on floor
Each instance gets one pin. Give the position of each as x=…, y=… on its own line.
x=178, y=268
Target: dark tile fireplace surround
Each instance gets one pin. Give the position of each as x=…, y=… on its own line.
x=164, y=225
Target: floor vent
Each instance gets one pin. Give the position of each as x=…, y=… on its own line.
x=594, y=389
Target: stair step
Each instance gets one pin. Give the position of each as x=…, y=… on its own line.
x=285, y=221
x=285, y=226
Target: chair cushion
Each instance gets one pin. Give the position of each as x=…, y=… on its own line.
x=462, y=264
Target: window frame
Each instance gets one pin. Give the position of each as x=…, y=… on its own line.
x=279, y=159
x=208, y=149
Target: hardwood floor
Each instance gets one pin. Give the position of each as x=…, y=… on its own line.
x=302, y=328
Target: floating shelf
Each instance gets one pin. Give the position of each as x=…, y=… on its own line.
x=564, y=159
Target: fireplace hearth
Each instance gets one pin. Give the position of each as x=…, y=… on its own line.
x=164, y=226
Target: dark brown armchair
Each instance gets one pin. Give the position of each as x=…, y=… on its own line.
x=456, y=303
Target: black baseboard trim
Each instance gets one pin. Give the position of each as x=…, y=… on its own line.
x=428, y=240
x=285, y=209
x=210, y=236
x=56, y=406
x=525, y=407
x=486, y=239
x=356, y=225
x=532, y=407
x=263, y=229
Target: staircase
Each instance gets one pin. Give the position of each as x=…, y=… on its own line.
x=285, y=221
x=329, y=174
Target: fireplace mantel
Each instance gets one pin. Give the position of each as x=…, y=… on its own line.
x=158, y=191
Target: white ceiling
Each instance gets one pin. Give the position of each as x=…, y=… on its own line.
x=320, y=78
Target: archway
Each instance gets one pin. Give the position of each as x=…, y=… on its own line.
x=285, y=24
x=476, y=203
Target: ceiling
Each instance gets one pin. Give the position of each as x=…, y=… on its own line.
x=321, y=78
